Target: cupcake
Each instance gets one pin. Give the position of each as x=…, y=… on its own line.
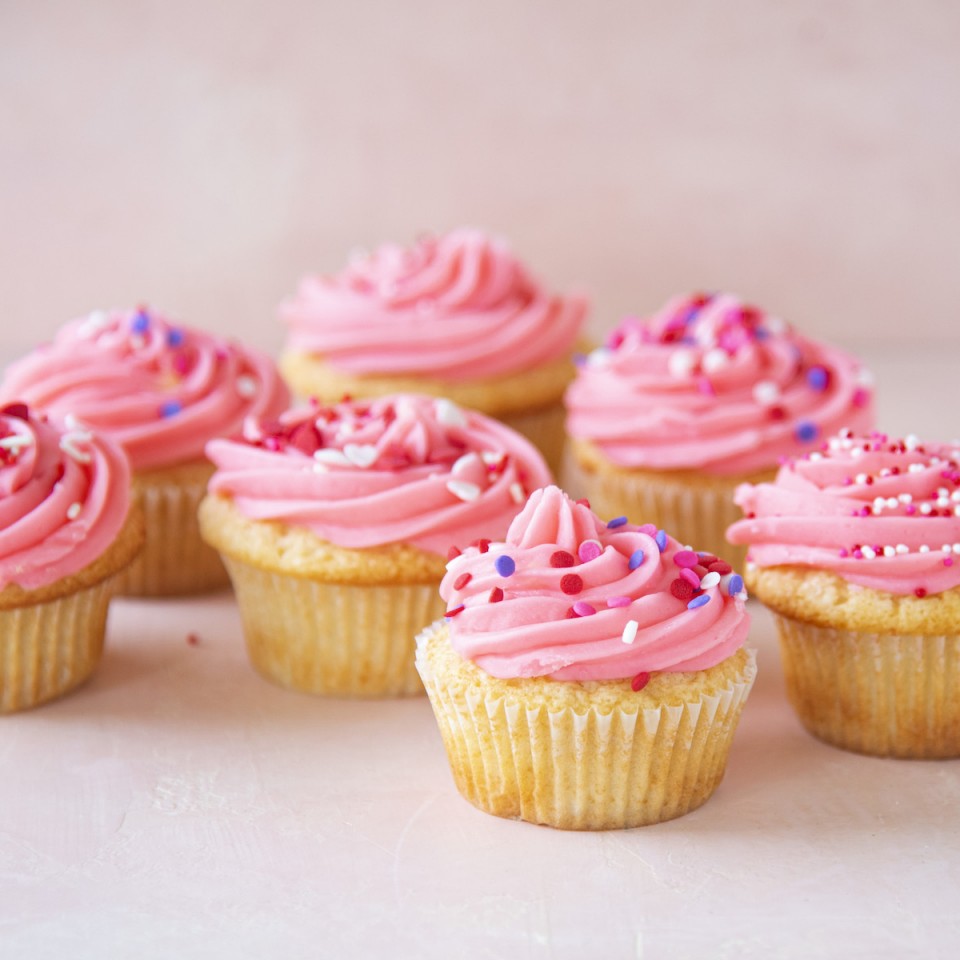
x=455, y=316
x=161, y=391
x=856, y=550
x=588, y=675
x=335, y=524
x=675, y=412
x=67, y=531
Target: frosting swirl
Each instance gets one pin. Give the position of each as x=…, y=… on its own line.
x=879, y=512
x=570, y=597
x=64, y=496
x=456, y=306
x=401, y=469
x=714, y=384
x=158, y=389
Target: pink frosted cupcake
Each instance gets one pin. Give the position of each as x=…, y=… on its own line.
x=455, y=316
x=161, y=391
x=335, y=525
x=588, y=674
x=66, y=532
x=856, y=549
x=674, y=412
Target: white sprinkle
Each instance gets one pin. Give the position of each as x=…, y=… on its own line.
x=892, y=502
x=493, y=458
x=943, y=501
x=902, y=548
x=319, y=467
x=815, y=456
x=846, y=433
x=751, y=566
x=329, y=455
x=911, y=441
x=96, y=321
x=905, y=498
x=464, y=463
x=955, y=496
x=630, y=631
x=925, y=508
x=463, y=490
x=860, y=478
x=448, y=413
x=956, y=548
x=864, y=377
x=68, y=444
x=346, y=429
x=681, y=363
x=885, y=472
x=247, y=386
x=714, y=360
x=710, y=580
x=73, y=511
x=956, y=510
x=916, y=468
x=856, y=452
x=868, y=552
x=71, y=422
x=775, y=325
x=599, y=357
x=517, y=492
x=946, y=548
x=766, y=393
x=16, y=441
x=923, y=548
x=879, y=503
x=889, y=551
x=361, y=455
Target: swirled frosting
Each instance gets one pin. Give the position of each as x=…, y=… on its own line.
x=64, y=496
x=456, y=306
x=400, y=469
x=571, y=597
x=879, y=512
x=714, y=384
x=158, y=389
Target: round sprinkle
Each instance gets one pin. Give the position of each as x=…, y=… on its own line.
x=462, y=581
x=719, y=566
x=818, y=378
x=639, y=682
x=561, y=558
x=806, y=431
x=170, y=409
x=571, y=583
x=175, y=337
x=681, y=589
x=661, y=539
x=920, y=592
x=685, y=558
x=630, y=631
x=704, y=598
x=505, y=565
x=583, y=609
x=766, y=393
x=710, y=580
x=73, y=511
x=687, y=574
x=734, y=585
x=589, y=550
x=140, y=322
x=616, y=522
x=247, y=386
x=636, y=558
x=496, y=595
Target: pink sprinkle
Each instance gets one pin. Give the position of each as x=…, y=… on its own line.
x=648, y=528
x=690, y=577
x=589, y=550
x=618, y=601
x=948, y=561
x=181, y=363
x=844, y=552
x=858, y=554
x=583, y=609
x=910, y=510
x=860, y=397
x=685, y=558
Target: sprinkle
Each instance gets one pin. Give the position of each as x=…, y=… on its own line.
x=589, y=550
x=868, y=552
x=616, y=522
x=681, y=589
x=698, y=601
x=463, y=490
x=619, y=601
x=636, y=558
x=806, y=431
x=920, y=592
x=639, y=682
x=714, y=360
x=734, y=585
x=630, y=631
x=364, y=455
x=517, y=493
x=15, y=441
x=140, y=322
x=710, y=580
x=19, y=410
x=948, y=561
x=170, y=408
x=174, y=337
x=455, y=611
x=583, y=502
x=505, y=565
x=492, y=458
x=583, y=609
x=462, y=581
x=599, y=357
x=331, y=455
x=902, y=548
x=661, y=539
x=681, y=363
x=464, y=463
x=448, y=413
x=766, y=393
x=571, y=583
x=68, y=444
x=453, y=553
x=73, y=511
x=818, y=378
x=687, y=574
x=685, y=558
x=496, y=595
x=719, y=566
x=247, y=386
x=483, y=545
x=181, y=366
x=889, y=551
x=561, y=558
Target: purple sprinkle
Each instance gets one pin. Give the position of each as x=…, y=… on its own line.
x=619, y=601
x=636, y=558
x=140, y=322
x=174, y=337
x=616, y=522
x=579, y=359
x=505, y=565
x=734, y=585
x=171, y=408
x=698, y=601
x=661, y=539
x=806, y=431
x=583, y=609
x=818, y=378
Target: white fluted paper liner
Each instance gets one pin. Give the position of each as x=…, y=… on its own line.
x=47, y=649
x=588, y=770
x=334, y=639
x=175, y=560
x=880, y=694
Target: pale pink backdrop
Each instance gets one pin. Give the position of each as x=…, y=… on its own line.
x=202, y=156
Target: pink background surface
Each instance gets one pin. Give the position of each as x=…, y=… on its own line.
x=201, y=157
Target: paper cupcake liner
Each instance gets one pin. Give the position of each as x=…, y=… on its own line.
x=175, y=560
x=696, y=514
x=47, y=649
x=584, y=771
x=545, y=428
x=880, y=694
x=334, y=639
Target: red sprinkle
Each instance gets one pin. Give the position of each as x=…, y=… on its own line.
x=192, y=639
x=561, y=559
x=453, y=553
x=482, y=545
x=920, y=592
x=454, y=611
x=571, y=583
x=720, y=566
x=682, y=589
x=496, y=595
x=583, y=502
x=18, y=410
x=462, y=581
x=639, y=681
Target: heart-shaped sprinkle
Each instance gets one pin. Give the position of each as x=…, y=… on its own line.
x=463, y=490
x=361, y=455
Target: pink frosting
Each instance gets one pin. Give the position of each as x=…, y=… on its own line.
x=64, y=496
x=879, y=512
x=159, y=390
x=570, y=597
x=711, y=383
x=460, y=305
x=401, y=469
